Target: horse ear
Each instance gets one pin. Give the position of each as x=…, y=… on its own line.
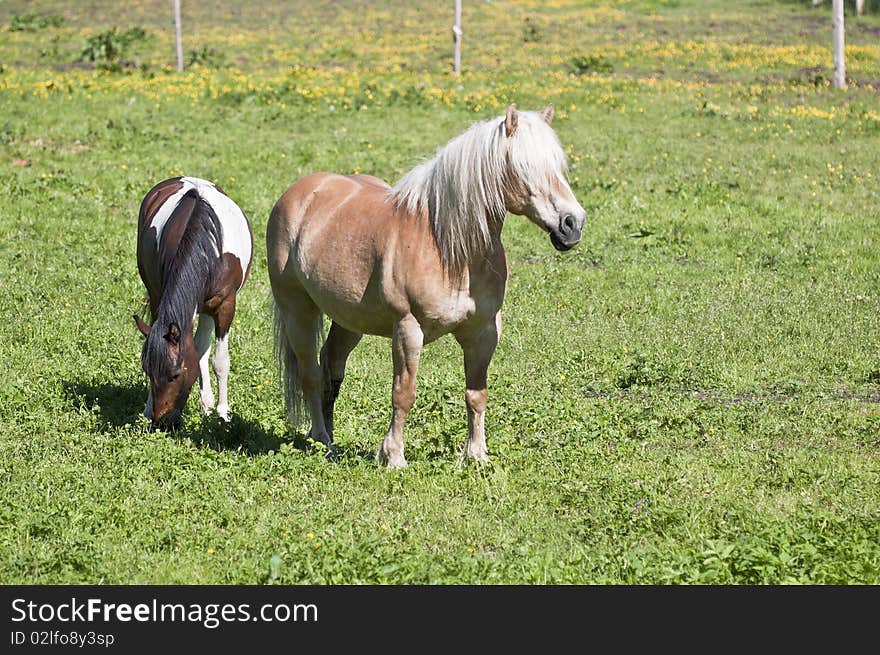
x=143, y=327
x=511, y=120
x=547, y=114
x=173, y=336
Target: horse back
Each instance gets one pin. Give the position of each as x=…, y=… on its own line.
x=327, y=217
x=360, y=258
x=164, y=215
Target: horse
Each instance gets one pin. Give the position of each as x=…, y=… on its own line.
x=194, y=251
x=411, y=262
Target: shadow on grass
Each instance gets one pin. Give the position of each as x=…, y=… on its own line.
x=249, y=437
x=238, y=435
x=120, y=405
x=115, y=405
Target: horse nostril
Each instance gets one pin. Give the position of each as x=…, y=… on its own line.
x=567, y=223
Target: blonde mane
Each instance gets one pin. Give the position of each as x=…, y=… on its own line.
x=462, y=187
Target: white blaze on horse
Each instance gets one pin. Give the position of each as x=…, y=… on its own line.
x=413, y=262
x=194, y=251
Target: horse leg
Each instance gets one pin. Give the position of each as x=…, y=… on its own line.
x=478, y=350
x=338, y=346
x=154, y=309
x=202, y=341
x=406, y=345
x=302, y=325
x=220, y=362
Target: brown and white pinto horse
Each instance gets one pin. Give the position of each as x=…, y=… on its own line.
x=413, y=263
x=194, y=251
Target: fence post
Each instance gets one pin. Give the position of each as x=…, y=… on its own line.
x=839, y=79
x=456, y=39
x=178, y=39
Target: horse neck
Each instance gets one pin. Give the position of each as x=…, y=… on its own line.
x=191, y=270
x=183, y=292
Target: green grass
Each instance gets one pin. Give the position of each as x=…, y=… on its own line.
x=690, y=396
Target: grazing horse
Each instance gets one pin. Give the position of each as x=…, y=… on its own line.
x=194, y=249
x=413, y=262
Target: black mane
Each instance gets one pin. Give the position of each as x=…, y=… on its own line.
x=186, y=280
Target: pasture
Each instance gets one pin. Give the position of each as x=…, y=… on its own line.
x=691, y=395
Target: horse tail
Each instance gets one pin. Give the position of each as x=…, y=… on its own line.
x=288, y=366
x=288, y=369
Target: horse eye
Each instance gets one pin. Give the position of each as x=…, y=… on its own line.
x=172, y=378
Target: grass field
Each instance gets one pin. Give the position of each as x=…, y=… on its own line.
x=690, y=396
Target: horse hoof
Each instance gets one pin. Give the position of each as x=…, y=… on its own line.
x=391, y=462
x=475, y=457
x=399, y=463
x=223, y=412
x=325, y=443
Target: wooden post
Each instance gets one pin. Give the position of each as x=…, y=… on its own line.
x=860, y=7
x=178, y=39
x=839, y=79
x=456, y=39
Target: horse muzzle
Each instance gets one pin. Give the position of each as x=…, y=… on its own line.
x=567, y=235
x=172, y=421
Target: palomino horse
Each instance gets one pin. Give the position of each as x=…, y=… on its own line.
x=413, y=263
x=194, y=249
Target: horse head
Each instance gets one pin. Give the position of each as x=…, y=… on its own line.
x=534, y=180
x=169, y=359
